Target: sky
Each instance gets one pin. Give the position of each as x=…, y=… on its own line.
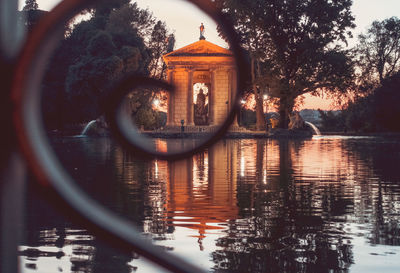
x=184, y=20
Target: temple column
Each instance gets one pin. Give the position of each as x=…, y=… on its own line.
x=190, y=110
x=232, y=94
x=212, y=98
x=170, y=116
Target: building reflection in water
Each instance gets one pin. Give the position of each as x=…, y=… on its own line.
x=250, y=205
x=202, y=191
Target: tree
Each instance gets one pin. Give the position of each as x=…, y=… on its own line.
x=31, y=14
x=378, y=111
x=56, y=102
x=108, y=55
x=93, y=57
x=294, y=47
x=155, y=35
x=159, y=45
x=30, y=5
x=386, y=102
x=94, y=75
x=157, y=41
x=378, y=52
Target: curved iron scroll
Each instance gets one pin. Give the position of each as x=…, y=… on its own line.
x=50, y=174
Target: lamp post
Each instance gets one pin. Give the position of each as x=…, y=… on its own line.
x=265, y=106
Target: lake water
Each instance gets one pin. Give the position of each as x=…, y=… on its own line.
x=329, y=204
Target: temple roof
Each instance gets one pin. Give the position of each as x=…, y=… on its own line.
x=200, y=48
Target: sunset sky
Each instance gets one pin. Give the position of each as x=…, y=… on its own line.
x=184, y=20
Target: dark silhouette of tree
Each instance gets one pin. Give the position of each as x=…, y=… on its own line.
x=108, y=55
x=331, y=121
x=294, y=47
x=387, y=101
x=378, y=52
x=116, y=41
x=31, y=14
x=154, y=33
x=160, y=44
x=376, y=112
x=30, y=5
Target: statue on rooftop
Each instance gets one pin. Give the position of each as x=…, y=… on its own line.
x=202, y=32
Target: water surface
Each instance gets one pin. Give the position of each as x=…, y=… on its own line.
x=330, y=204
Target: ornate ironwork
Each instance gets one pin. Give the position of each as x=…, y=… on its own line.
x=23, y=85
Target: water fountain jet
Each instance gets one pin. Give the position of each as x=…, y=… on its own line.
x=88, y=127
x=315, y=128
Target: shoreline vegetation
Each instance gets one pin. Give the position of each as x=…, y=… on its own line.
x=76, y=130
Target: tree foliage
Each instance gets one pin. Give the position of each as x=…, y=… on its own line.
x=387, y=102
x=30, y=5
x=159, y=44
x=378, y=111
x=294, y=47
x=30, y=14
x=105, y=7
x=378, y=52
x=115, y=42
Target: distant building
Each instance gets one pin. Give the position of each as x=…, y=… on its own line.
x=312, y=116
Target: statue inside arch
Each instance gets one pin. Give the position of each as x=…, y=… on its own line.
x=201, y=109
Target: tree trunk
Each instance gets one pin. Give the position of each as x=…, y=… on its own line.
x=261, y=124
x=285, y=109
x=260, y=118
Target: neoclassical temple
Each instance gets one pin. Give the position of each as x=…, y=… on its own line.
x=204, y=76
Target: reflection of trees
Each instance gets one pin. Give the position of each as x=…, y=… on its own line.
x=49, y=235
x=281, y=230
x=141, y=192
x=131, y=187
x=382, y=156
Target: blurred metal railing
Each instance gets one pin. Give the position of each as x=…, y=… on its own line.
x=26, y=149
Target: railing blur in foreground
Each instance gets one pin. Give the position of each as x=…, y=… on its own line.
x=27, y=149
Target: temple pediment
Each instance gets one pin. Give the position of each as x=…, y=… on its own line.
x=198, y=49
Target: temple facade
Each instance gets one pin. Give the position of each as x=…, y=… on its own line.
x=204, y=76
